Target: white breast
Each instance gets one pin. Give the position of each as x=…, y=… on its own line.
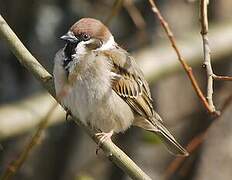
x=91, y=97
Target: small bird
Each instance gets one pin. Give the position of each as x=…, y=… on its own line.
x=101, y=84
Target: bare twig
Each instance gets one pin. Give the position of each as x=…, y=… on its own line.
x=221, y=78
x=135, y=15
x=198, y=140
x=24, y=115
x=15, y=165
x=186, y=67
x=207, y=58
x=25, y=57
x=206, y=49
x=114, y=11
x=193, y=145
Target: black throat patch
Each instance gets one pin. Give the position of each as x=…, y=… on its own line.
x=68, y=51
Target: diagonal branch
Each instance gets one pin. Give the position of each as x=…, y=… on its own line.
x=192, y=146
x=15, y=165
x=25, y=57
x=114, y=11
x=135, y=15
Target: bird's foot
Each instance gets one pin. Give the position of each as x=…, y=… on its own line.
x=102, y=138
x=68, y=113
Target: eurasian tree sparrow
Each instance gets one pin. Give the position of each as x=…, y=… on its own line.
x=100, y=83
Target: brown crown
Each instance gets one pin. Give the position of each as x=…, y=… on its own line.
x=92, y=27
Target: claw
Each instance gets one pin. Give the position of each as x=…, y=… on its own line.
x=102, y=138
x=68, y=113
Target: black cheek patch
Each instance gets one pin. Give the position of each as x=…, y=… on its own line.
x=68, y=51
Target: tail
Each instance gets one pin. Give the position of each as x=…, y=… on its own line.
x=172, y=145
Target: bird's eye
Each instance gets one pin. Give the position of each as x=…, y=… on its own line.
x=85, y=37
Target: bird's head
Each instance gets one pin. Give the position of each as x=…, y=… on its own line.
x=89, y=33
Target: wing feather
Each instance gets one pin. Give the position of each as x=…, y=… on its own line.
x=133, y=89
x=131, y=86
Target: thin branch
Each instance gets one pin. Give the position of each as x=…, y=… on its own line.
x=193, y=145
x=207, y=57
x=135, y=15
x=206, y=49
x=114, y=11
x=198, y=140
x=15, y=165
x=222, y=78
x=25, y=57
x=24, y=115
x=186, y=67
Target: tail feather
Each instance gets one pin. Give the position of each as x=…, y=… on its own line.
x=155, y=125
x=172, y=145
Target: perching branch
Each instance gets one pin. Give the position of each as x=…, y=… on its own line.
x=186, y=67
x=25, y=57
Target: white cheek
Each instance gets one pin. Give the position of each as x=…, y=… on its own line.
x=80, y=49
x=108, y=45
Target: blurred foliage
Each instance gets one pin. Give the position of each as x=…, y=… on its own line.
x=84, y=177
x=151, y=138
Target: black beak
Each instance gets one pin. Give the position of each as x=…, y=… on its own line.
x=69, y=37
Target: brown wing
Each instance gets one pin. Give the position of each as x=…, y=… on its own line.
x=129, y=83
